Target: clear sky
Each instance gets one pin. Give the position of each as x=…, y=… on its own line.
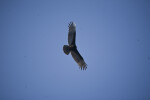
x=113, y=36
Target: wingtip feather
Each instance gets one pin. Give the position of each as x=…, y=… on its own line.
x=82, y=65
x=72, y=25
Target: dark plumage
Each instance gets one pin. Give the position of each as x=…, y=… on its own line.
x=72, y=48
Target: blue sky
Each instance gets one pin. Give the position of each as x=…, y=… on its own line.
x=113, y=36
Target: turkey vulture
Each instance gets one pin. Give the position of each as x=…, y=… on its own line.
x=72, y=48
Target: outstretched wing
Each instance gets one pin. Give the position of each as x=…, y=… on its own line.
x=79, y=59
x=72, y=33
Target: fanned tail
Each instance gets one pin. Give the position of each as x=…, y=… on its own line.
x=66, y=49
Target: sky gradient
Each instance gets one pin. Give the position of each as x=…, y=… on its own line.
x=113, y=36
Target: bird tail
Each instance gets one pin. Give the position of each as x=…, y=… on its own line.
x=66, y=49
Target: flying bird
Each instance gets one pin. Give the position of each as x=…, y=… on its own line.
x=72, y=48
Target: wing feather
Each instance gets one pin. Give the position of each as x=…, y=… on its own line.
x=79, y=59
x=71, y=33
